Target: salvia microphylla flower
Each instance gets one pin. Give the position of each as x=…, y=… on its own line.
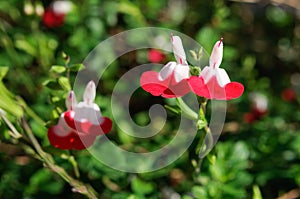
x=258, y=107
x=79, y=126
x=171, y=81
x=54, y=15
x=214, y=82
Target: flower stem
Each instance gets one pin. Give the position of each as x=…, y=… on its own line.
x=78, y=186
x=186, y=110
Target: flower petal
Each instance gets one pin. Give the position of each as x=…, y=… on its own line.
x=207, y=73
x=61, y=142
x=71, y=100
x=177, y=90
x=216, y=55
x=82, y=141
x=198, y=86
x=178, y=50
x=234, y=90
x=222, y=77
x=166, y=71
x=149, y=82
x=85, y=112
x=104, y=127
x=89, y=93
x=181, y=72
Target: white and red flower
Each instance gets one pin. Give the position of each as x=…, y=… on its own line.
x=171, y=81
x=78, y=127
x=214, y=82
x=54, y=15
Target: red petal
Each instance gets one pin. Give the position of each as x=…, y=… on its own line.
x=103, y=128
x=198, y=86
x=149, y=82
x=177, y=90
x=234, y=90
x=52, y=19
x=61, y=142
x=106, y=125
x=212, y=90
x=69, y=118
x=82, y=141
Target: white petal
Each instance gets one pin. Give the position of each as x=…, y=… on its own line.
x=71, y=100
x=222, y=77
x=181, y=72
x=62, y=7
x=62, y=128
x=166, y=71
x=207, y=73
x=89, y=93
x=85, y=112
x=178, y=50
x=216, y=55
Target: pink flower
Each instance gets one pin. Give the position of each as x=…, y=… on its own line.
x=155, y=56
x=171, y=81
x=214, y=82
x=78, y=127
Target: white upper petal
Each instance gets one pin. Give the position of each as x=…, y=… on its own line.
x=216, y=55
x=207, y=73
x=178, y=50
x=71, y=100
x=181, y=72
x=166, y=71
x=89, y=93
x=84, y=111
x=222, y=77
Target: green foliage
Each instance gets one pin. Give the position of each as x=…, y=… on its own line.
x=253, y=159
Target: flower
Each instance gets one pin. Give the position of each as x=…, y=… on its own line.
x=258, y=109
x=214, y=82
x=54, y=15
x=289, y=95
x=171, y=81
x=78, y=127
x=155, y=56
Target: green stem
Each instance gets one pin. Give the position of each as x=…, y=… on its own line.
x=14, y=133
x=77, y=185
x=186, y=110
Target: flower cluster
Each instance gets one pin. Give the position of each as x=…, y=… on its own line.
x=79, y=126
x=174, y=79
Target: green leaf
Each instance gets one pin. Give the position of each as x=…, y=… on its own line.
x=57, y=69
x=64, y=83
x=141, y=187
x=3, y=71
x=256, y=192
x=76, y=67
x=7, y=102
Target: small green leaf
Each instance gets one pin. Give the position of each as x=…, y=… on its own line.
x=57, y=69
x=211, y=158
x=64, y=83
x=3, y=71
x=141, y=187
x=76, y=67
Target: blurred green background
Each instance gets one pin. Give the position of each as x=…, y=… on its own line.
x=258, y=153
